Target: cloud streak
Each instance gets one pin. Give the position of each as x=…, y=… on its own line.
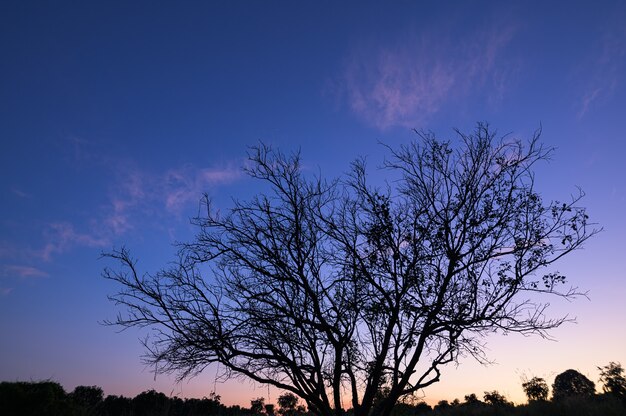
x=20, y=272
x=62, y=236
x=134, y=196
x=407, y=83
x=23, y=272
x=608, y=65
x=138, y=193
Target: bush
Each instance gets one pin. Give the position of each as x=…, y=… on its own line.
x=571, y=383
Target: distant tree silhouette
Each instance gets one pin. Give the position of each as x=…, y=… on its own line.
x=257, y=406
x=151, y=403
x=410, y=409
x=204, y=406
x=571, y=383
x=421, y=408
x=90, y=398
x=117, y=406
x=613, y=380
x=472, y=399
x=494, y=398
x=42, y=398
x=536, y=389
x=442, y=405
x=287, y=404
x=330, y=288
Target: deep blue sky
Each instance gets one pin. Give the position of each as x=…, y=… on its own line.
x=116, y=116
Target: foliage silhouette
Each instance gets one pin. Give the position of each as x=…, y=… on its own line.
x=442, y=405
x=613, y=380
x=90, y=398
x=288, y=405
x=471, y=399
x=494, y=398
x=34, y=398
x=117, y=406
x=323, y=288
x=49, y=398
x=151, y=403
x=536, y=389
x=257, y=406
x=286, y=402
x=571, y=383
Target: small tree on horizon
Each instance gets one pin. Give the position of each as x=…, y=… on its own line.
x=536, y=389
x=613, y=380
x=257, y=406
x=88, y=397
x=472, y=399
x=494, y=398
x=287, y=403
x=571, y=383
x=336, y=289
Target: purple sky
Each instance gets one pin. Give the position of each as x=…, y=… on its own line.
x=116, y=116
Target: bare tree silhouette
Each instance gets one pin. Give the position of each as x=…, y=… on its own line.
x=337, y=289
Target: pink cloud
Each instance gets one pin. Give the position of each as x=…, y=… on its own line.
x=138, y=193
x=184, y=186
x=11, y=272
x=61, y=236
x=119, y=221
x=406, y=84
x=23, y=272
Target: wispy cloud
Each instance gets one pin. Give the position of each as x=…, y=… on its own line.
x=185, y=185
x=407, y=83
x=21, y=194
x=9, y=273
x=23, y=272
x=62, y=235
x=135, y=198
x=606, y=70
x=138, y=194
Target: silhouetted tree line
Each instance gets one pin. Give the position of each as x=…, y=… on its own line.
x=572, y=394
x=49, y=398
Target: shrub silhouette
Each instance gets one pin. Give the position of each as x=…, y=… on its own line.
x=494, y=398
x=257, y=406
x=472, y=399
x=88, y=398
x=613, y=380
x=571, y=383
x=536, y=389
x=151, y=403
x=117, y=406
x=41, y=398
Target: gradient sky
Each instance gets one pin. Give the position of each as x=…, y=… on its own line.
x=116, y=116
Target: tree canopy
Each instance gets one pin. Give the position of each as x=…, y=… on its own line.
x=336, y=289
x=536, y=389
x=612, y=379
x=571, y=383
